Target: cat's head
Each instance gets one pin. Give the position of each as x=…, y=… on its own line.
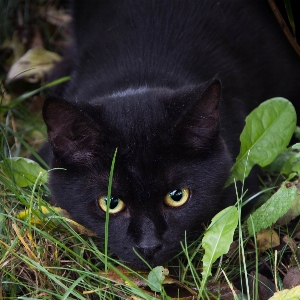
x=170, y=169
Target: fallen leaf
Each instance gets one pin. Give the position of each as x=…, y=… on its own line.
x=266, y=239
x=292, y=278
x=174, y=289
x=57, y=17
x=48, y=219
x=129, y=277
x=292, y=294
x=266, y=288
x=294, y=247
x=222, y=291
x=33, y=65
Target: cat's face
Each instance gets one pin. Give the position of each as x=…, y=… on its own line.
x=170, y=168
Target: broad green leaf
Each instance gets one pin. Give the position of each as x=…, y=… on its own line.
x=274, y=208
x=218, y=237
x=279, y=165
x=286, y=162
x=292, y=213
x=23, y=170
x=297, y=133
x=156, y=277
x=267, y=132
x=292, y=164
x=297, y=147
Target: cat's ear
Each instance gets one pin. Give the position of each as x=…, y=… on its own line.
x=74, y=136
x=198, y=126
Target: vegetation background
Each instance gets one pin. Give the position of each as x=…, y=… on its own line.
x=43, y=254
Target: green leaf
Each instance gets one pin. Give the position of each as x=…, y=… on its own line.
x=267, y=132
x=274, y=208
x=297, y=147
x=297, y=133
x=279, y=164
x=292, y=164
x=156, y=277
x=23, y=171
x=218, y=237
x=292, y=213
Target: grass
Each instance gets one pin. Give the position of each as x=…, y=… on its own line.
x=48, y=259
x=44, y=257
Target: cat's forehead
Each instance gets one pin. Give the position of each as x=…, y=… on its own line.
x=129, y=92
x=133, y=110
x=132, y=97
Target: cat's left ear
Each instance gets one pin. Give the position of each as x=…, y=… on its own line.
x=197, y=127
x=74, y=136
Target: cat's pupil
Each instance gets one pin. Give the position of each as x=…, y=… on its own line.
x=176, y=195
x=114, y=201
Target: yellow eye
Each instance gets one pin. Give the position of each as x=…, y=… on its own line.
x=115, y=204
x=177, y=197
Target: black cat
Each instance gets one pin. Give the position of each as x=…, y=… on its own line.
x=146, y=79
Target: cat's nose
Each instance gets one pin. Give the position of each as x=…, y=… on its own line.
x=149, y=248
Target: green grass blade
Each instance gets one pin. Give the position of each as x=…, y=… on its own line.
x=107, y=211
x=289, y=12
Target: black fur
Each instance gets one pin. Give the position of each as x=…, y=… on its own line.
x=146, y=79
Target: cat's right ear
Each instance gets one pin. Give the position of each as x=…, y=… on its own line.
x=74, y=136
x=197, y=126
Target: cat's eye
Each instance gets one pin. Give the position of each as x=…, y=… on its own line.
x=115, y=204
x=177, y=197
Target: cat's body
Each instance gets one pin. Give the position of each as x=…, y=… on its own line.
x=145, y=81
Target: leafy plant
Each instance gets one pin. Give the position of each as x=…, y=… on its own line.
x=273, y=209
x=43, y=256
x=33, y=228
x=267, y=133
x=23, y=171
x=217, y=239
x=156, y=277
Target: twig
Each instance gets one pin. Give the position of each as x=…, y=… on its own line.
x=284, y=27
x=275, y=271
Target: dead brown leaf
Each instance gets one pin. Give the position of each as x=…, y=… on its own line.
x=222, y=290
x=266, y=288
x=266, y=239
x=293, y=246
x=292, y=278
x=33, y=65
